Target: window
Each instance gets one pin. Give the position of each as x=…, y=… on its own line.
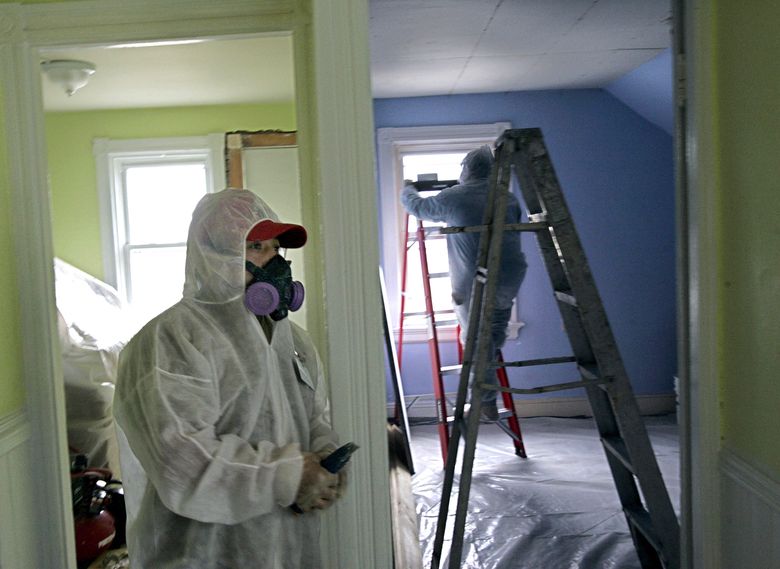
x=403, y=154
x=446, y=166
x=149, y=189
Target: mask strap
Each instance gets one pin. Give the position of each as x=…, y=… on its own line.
x=256, y=271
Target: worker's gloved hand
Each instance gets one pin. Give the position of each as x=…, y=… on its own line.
x=342, y=474
x=318, y=488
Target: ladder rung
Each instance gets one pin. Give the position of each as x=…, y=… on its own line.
x=425, y=313
x=566, y=297
x=450, y=370
x=430, y=233
x=547, y=388
x=437, y=275
x=539, y=362
x=538, y=226
x=617, y=447
x=446, y=322
x=640, y=519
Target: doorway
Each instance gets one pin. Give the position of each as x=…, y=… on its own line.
x=361, y=539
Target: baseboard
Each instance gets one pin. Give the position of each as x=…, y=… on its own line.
x=423, y=406
x=750, y=501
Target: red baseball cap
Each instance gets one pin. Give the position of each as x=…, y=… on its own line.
x=290, y=236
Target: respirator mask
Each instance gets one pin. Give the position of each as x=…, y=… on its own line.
x=272, y=291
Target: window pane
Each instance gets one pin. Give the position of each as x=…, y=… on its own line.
x=447, y=167
x=160, y=201
x=156, y=280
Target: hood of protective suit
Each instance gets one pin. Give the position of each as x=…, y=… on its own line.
x=216, y=244
x=477, y=165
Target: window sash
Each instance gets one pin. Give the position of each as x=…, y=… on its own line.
x=114, y=158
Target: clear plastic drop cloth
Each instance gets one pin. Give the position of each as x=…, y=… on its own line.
x=556, y=509
x=93, y=328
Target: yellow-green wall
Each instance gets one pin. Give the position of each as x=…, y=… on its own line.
x=69, y=137
x=747, y=96
x=11, y=389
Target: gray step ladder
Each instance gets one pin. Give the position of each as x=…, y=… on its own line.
x=643, y=496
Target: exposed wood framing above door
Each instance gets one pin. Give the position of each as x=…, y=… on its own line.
x=237, y=141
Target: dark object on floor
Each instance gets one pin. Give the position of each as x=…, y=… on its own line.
x=98, y=510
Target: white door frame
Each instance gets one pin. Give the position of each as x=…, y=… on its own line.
x=334, y=103
x=697, y=263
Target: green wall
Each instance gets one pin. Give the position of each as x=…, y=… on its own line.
x=11, y=387
x=69, y=137
x=747, y=97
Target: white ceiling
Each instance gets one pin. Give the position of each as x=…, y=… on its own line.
x=443, y=47
x=213, y=72
x=418, y=47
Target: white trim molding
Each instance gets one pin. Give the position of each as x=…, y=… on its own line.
x=699, y=390
x=350, y=257
x=18, y=541
x=14, y=431
x=750, y=502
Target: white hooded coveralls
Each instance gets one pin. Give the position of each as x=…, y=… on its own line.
x=217, y=416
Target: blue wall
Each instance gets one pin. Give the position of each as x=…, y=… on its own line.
x=648, y=90
x=616, y=170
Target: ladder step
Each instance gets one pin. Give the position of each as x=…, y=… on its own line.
x=450, y=370
x=640, y=519
x=540, y=362
x=566, y=297
x=549, y=388
x=425, y=313
x=537, y=226
x=438, y=275
x=617, y=447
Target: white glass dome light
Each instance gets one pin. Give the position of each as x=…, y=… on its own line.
x=70, y=74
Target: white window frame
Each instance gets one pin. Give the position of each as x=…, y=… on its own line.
x=392, y=142
x=111, y=156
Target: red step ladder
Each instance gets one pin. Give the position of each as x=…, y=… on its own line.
x=508, y=420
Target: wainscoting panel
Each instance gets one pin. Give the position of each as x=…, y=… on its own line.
x=750, y=515
x=17, y=523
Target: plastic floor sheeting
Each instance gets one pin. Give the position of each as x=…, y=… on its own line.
x=556, y=509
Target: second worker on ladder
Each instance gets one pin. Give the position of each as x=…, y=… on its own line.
x=464, y=205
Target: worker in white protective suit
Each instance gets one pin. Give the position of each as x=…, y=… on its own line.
x=464, y=205
x=224, y=410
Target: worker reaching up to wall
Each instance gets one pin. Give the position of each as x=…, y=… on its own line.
x=464, y=205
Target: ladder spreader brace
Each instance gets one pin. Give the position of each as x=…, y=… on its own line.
x=643, y=496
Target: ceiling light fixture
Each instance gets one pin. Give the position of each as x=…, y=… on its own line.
x=70, y=74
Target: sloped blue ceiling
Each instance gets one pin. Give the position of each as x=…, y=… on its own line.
x=648, y=91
